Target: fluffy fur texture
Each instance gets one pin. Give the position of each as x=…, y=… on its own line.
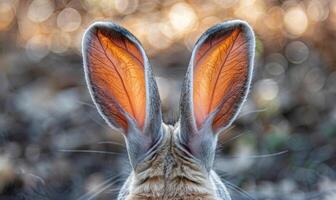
x=171, y=162
x=171, y=172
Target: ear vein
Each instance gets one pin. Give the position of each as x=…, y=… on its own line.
x=118, y=73
x=220, y=71
x=208, y=49
x=126, y=48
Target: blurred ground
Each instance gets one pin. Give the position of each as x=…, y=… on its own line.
x=282, y=146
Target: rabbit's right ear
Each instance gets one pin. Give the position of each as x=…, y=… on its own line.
x=122, y=86
x=216, y=84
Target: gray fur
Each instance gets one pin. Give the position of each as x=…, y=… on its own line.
x=137, y=141
x=165, y=163
x=189, y=135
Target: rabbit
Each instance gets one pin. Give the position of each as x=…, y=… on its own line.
x=170, y=161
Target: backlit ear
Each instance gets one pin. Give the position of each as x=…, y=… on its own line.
x=121, y=83
x=218, y=78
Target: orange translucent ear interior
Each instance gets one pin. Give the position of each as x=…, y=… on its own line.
x=116, y=70
x=219, y=77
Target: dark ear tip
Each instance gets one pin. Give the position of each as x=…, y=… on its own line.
x=91, y=31
x=104, y=26
x=229, y=25
x=241, y=24
x=108, y=28
x=245, y=27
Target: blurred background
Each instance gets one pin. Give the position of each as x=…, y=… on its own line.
x=54, y=145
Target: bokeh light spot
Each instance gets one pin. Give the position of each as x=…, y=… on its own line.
x=69, y=20
x=317, y=11
x=7, y=15
x=314, y=80
x=267, y=89
x=296, y=21
x=182, y=17
x=40, y=10
x=274, y=68
x=126, y=6
x=297, y=52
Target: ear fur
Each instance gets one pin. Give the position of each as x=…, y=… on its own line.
x=199, y=129
x=142, y=129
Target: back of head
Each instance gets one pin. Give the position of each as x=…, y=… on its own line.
x=170, y=162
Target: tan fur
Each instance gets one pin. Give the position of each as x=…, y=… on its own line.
x=170, y=173
x=128, y=99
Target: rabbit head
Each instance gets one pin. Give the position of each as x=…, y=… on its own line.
x=170, y=162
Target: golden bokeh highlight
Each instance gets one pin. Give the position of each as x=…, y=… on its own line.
x=182, y=17
x=69, y=20
x=40, y=10
x=7, y=14
x=160, y=25
x=296, y=22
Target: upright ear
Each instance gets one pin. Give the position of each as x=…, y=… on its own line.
x=122, y=86
x=216, y=84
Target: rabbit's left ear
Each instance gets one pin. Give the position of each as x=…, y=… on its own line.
x=216, y=84
x=122, y=86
